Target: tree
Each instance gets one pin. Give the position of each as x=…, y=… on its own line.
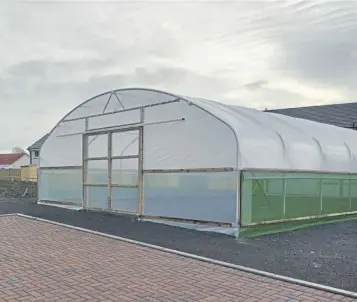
x=18, y=150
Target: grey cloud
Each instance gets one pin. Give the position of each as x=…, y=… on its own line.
x=256, y=85
x=43, y=69
x=320, y=47
x=28, y=68
x=51, y=63
x=322, y=59
x=280, y=98
x=47, y=69
x=47, y=101
x=164, y=78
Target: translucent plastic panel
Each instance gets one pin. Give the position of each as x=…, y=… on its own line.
x=71, y=127
x=278, y=196
x=125, y=143
x=125, y=199
x=97, y=197
x=335, y=196
x=223, y=182
x=125, y=171
x=191, y=196
x=61, y=185
x=97, y=172
x=302, y=198
x=170, y=111
x=59, y=150
x=353, y=195
x=188, y=143
x=297, y=175
x=136, y=98
x=94, y=106
x=113, y=104
x=114, y=120
x=273, y=186
x=98, y=145
x=264, y=206
x=260, y=205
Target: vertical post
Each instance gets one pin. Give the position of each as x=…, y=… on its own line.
x=284, y=196
x=140, y=207
x=110, y=171
x=38, y=172
x=321, y=195
x=349, y=194
x=85, y=164
x=246, y=200
x=239, y=176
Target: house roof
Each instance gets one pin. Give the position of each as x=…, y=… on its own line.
x=38, y=143
x=10, y=158
x=341, y=115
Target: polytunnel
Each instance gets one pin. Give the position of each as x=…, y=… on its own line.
x=161, y=155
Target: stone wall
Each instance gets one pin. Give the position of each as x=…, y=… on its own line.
x=18, y=189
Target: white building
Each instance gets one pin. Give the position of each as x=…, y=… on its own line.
x=34, y=150
x=14, y=160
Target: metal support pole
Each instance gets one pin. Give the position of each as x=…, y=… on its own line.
x=321, y=195
x=110, y=171
x=349, y=195
x=238, y=188
x=177, y=100
x=284, y=196
x=140, y=208
x=84, y=165
x=121, y=128
x=39, y=187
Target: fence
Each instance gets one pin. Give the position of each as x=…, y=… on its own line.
x=29, y=173
x=25, y=173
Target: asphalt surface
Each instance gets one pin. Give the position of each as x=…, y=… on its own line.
x=325, y=254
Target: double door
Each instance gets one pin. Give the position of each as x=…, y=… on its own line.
x=112, y=170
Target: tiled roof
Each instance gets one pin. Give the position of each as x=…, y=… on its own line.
x=342, y=115
x=10, y=158
x=39, y=143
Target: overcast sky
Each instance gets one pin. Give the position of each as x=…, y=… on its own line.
x=54, y=55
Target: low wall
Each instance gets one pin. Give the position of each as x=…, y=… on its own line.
x=18, y=189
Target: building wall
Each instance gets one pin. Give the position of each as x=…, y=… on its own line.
x=34, y=157
x=5, y=166
x=23, y=161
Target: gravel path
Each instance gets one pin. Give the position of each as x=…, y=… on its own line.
x=324, y=254
x=17, y=189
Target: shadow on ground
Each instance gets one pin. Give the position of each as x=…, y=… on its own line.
x=325, y=254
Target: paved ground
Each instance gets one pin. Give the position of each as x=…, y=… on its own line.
x=324, y=254
x=43, y=262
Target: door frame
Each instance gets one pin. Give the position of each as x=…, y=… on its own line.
x=109, y=158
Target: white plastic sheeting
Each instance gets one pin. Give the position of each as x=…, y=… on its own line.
x=176, y=135
x=200, y=141
x=274, y=141
x=208, y=136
